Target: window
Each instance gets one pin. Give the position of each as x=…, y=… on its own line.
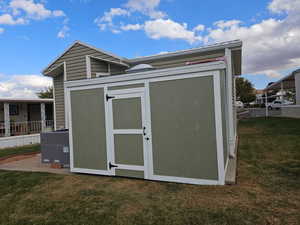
x=13, y=109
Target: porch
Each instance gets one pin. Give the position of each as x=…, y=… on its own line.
x=25, y=116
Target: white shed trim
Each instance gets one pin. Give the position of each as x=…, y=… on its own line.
x=154, y=76
x=148, y=74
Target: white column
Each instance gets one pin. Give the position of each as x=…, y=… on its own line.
x=281, y=90
x=267, y=110
x=6, y=119
x=297, y=87
x=43, y=116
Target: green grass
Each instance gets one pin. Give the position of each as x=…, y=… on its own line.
x=268, y=190
x=19, y=150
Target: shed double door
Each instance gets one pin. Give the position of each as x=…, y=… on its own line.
x=127, y=132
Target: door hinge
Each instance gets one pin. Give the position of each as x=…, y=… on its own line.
x=109, y=97
x=111, y=165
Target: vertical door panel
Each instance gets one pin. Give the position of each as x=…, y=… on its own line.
x=127, y=113
x=88, y=129
x=183, y=128
x=129, y=149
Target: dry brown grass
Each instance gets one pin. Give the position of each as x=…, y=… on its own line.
x=267, y=192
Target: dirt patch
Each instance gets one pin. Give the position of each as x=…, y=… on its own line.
x=9, y=159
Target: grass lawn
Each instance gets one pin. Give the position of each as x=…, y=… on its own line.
x=268, y=190
x=19, y=150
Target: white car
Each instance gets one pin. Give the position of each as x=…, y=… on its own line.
x=277, y=104
x=239, y=104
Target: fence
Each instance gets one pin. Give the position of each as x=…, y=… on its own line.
x=27, y=127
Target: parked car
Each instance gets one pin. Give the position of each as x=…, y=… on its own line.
x=277, y=104
x=239, y=104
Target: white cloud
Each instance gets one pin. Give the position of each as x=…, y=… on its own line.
x=268, y=46
x=23, y=86
x=16, y=12
x=108, y=16
x=132, y=27
x=1, y=30
x=33, y=10
x=272, y=73
x=63, y=32
x=58, y=13
x=200, y=27
x=161, y=28
x=147, y=7
x=106, y=21
x=279, y=6
x=227, y=24
x=7, y=19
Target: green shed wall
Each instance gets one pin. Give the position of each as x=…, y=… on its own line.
x=58, y=85
x=88, y=129
x=183, y=128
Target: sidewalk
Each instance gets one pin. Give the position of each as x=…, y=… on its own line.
x=29, y=163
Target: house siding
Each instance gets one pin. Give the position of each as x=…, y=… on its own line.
x=98, y=66
x=75, y=60
x=58, y=84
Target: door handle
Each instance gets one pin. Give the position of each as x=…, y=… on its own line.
x=111, y=165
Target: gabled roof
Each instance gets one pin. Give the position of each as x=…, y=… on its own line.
x=86, y=45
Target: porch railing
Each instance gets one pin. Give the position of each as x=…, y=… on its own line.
x=27, y=127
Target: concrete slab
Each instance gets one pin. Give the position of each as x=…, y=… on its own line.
x=30, y=163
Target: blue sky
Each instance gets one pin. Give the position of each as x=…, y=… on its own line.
x=34, y=32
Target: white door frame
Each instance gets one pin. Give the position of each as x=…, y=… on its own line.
x=72, y=168
x=126, y=94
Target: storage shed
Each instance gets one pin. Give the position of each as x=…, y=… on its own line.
x=173, y=124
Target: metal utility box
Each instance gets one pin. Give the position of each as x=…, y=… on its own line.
x=55, y=147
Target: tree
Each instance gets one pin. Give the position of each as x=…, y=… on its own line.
x=244, y=90
x=47, y=93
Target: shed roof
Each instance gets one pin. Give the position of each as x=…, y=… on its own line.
x=207, y=48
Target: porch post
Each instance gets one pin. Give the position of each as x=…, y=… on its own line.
x=6, y=119
x=43, y=116
x=297, y=87
x=281, y=90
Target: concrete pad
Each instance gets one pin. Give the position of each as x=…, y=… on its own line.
x=31, y=163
